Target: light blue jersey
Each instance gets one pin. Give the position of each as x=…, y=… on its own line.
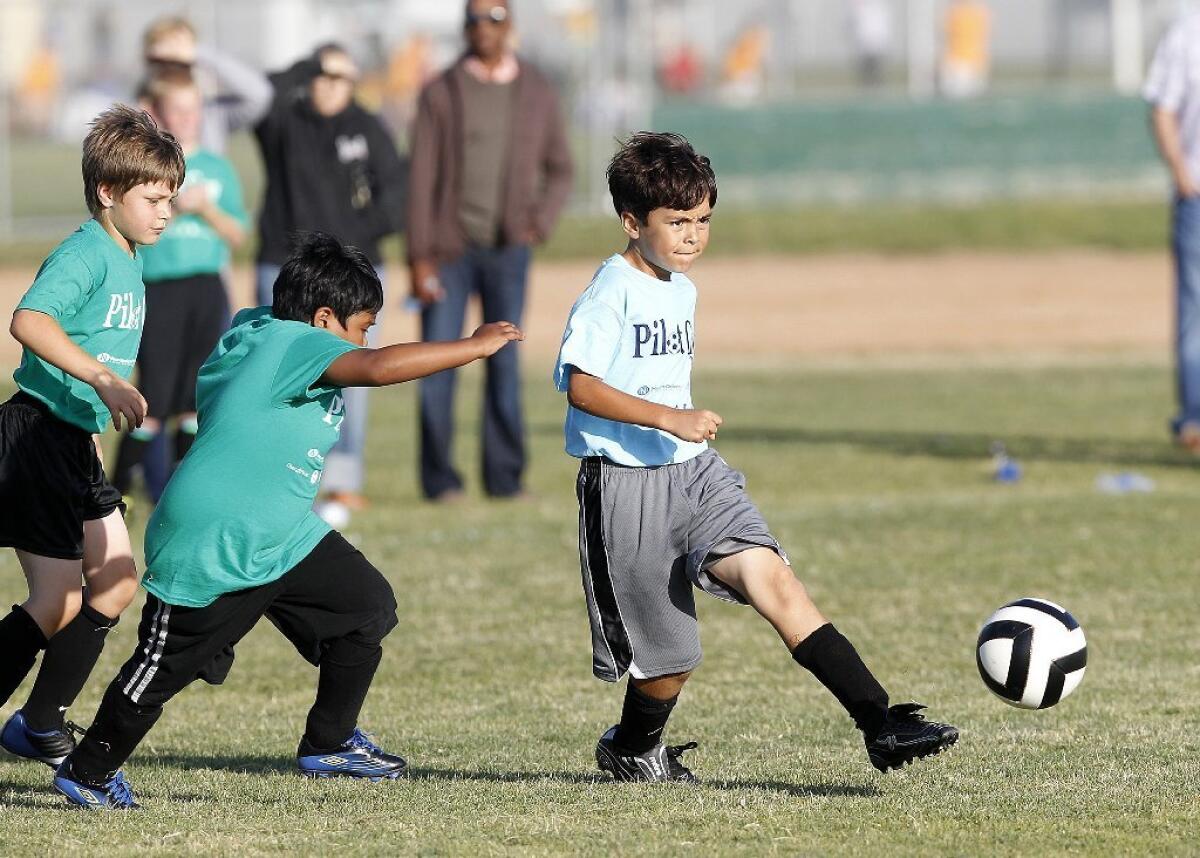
x=635, y=333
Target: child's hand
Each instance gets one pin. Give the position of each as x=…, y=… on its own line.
x=122, y=399
x=696, y=424
x=194, y=199
x=494, y=336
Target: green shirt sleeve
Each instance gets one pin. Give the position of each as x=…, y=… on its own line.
x=62, y=286
x=303, y=364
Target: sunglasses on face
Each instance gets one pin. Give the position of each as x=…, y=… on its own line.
x=495, y=15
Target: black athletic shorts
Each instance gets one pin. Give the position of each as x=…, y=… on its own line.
x=331, y=594
x=184, y=320
x=51, y=481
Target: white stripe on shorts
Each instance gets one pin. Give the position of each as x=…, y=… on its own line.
x=150, y=665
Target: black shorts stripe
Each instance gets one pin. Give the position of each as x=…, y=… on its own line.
x=597, y=569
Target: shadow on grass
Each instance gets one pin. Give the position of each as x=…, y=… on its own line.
x=973, y=445
x=271, y=765
x=957, y=445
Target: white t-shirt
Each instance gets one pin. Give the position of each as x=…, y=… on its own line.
x=635, y=333
x=1173, y=83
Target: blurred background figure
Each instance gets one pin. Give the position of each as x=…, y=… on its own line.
x=871, y=33
x=38, y=91
x=186, y=304
x=491, y=172
x=331, y=166
x=1173, y=91
x=743, y=71
x=966, y=48
x=236, y=95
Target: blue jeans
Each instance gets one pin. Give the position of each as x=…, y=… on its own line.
x=498, y=276
x=1185, y=244
x=344, y=464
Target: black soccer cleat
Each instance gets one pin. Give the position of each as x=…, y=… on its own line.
x=50, y=747
x=660, y=763
x=907, y=736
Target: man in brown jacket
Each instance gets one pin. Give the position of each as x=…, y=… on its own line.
x=490, y=173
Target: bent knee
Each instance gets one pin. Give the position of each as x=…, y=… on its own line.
x=113, y=587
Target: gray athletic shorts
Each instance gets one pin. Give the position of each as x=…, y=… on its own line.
x=646, y=537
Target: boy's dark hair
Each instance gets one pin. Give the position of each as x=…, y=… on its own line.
x=659, y=170
x=323, y=272
x=125, y=148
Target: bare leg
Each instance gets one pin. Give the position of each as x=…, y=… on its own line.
x=72, y=653
x=773, y=590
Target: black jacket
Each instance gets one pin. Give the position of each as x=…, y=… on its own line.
x=339, y=174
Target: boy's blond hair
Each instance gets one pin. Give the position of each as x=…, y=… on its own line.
x=164, y=27
x=125, y=148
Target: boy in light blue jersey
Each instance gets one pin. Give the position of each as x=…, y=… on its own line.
x=659, y=511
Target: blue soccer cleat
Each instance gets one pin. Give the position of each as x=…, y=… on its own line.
x=358, y=757
x=114, y=794
x=50, y=747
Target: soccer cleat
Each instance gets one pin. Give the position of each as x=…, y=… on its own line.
x=114, y=794
x=50, y=747
x=660, y=763
x=907, y=736
x=358, y=757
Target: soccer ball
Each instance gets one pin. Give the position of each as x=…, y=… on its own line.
x=1031, y=653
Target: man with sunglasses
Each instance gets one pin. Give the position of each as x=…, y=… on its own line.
x=331, y=166
x=490, y=173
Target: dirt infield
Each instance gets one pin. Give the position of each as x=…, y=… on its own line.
x=955, y=306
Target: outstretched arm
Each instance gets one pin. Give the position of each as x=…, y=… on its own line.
x=406, y=361
x=591, y=395
x=43, y=336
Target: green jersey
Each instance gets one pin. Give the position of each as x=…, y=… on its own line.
x=189, y=246
x=237, y=512
x=94, y=290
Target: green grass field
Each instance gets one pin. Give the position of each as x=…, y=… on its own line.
x=877, y=483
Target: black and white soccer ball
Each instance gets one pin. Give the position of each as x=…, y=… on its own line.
x=1031, y=653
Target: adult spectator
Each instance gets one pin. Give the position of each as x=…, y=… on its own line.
x=491, y=172
x=331, y=166
x=236, y=95
x=1174, y=95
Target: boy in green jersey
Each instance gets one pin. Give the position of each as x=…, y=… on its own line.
x=186, y=306
x=80, y=324
x=235, y=538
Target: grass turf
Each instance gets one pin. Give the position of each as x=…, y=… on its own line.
x=1025, y=225
x=877, y=483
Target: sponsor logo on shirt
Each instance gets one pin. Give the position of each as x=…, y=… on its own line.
x=658, y=338
x=105, y=357
x=313, y=477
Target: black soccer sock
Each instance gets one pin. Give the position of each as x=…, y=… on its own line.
x=70, y=656
x=20, y=639
x=833, y=660
x=118, y=728
x=642, y=720
x=347, y=669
